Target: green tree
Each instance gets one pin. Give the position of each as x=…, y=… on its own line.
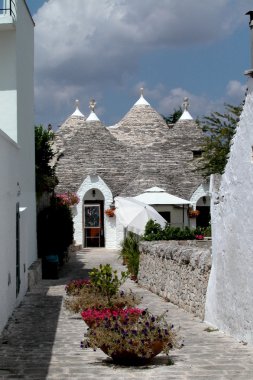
x=174, y=116
x=219, y=129
x=46, y=179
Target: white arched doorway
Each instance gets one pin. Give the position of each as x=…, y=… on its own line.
x=200, y=200
x=93, y=219
x=92, y=227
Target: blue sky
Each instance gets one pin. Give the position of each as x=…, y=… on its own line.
x=107, y=50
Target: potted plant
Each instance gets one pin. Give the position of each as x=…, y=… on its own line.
x=73, y=287
x=110, y=212
x=193, y=213
x=131, y=342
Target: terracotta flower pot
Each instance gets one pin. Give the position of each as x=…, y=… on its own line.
x=131, y=357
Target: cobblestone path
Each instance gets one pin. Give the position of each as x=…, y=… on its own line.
x=42, y=339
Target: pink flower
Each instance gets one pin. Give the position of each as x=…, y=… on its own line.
x=68, y=199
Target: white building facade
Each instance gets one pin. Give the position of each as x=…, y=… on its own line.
x=18, y=250
x=229, y=303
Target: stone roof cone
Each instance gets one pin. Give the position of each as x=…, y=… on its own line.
x=68, y=129
x=186, y=129
x=142, y=125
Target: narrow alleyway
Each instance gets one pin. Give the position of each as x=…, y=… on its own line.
x=42, y=339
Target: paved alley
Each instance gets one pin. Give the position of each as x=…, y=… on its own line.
x=42, y=339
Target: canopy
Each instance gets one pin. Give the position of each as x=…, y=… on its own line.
x=134, y=214
x=158, y=196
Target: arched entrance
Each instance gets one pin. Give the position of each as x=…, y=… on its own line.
x=93, y=219
x=203, y=206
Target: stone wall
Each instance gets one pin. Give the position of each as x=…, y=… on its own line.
x=178, y=271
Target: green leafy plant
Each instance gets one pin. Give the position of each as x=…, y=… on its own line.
x=220, y=129
x=174, y=116
x=153, y=231
x=54, y=230
x=46, y=179
x=130, y=253
x=106, y=281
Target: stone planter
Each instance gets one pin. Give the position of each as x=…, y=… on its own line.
x=131, y=357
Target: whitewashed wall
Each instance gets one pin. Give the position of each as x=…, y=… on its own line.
x=176, y=214
x=17, y=168
x=229, y=304
x=25, y=122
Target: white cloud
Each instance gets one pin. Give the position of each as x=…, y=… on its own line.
x=83, y=46
x=236, y=90
x=202, y=105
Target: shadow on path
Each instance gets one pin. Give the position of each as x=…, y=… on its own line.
x=27, y=342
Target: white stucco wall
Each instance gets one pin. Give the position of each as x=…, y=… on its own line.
x=25, y=121
x=17, y=167
x=176, y=214
x=229, y=304
x=9, y=196
x=95, y=182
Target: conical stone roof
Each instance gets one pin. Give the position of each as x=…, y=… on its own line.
x=142, y=125
x=94, y=150
x=127, y=167
x=68, y=129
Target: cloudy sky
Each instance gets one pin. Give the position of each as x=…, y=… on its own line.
x=108, y=49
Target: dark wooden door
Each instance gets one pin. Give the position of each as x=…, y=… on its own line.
x=93, y=216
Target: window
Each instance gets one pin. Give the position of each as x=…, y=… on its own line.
x=165, y=215
x=197, y=153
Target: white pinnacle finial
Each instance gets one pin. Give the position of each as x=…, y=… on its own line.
x=92, y=116
x=142, y=100
x=186, y=104
x=77, y=111
x=185, y=115
x=92, y=105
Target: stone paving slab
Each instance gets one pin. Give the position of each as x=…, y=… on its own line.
x=42, y=339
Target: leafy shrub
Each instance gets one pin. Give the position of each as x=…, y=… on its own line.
x=54, y=230
x=130, y=252
x=105, y=280
x=153, y=231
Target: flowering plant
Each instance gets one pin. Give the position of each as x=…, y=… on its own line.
x=132, y=340
x=73, y=287
x=199, y=237
x=110, y=212
x=96, y=316
x=68, y=199
x=89, y=298
x=193, y=213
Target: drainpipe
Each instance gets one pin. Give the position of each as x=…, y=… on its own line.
x=250, y=72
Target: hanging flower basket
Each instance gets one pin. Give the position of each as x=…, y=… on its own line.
x=110, y=212
x=193, y=213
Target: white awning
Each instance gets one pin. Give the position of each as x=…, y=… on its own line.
x=158, y=196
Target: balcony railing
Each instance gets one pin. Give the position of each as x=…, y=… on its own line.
x=8, y=8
